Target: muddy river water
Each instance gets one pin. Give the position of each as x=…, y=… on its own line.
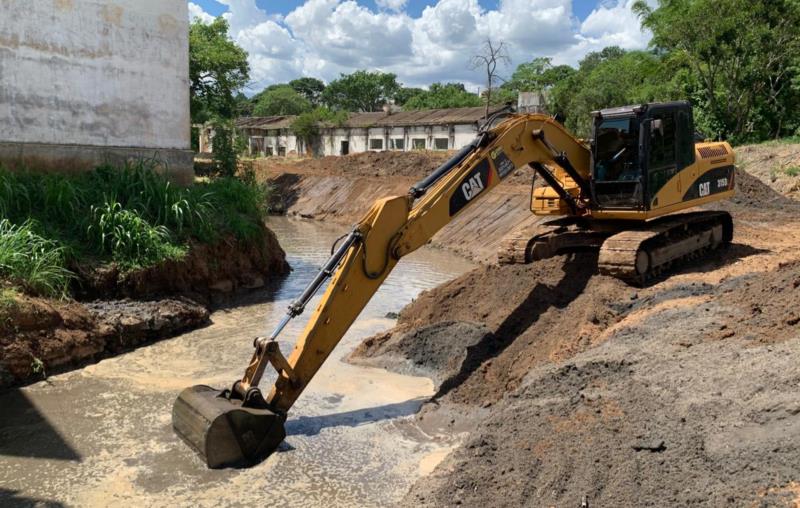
x=102, y=435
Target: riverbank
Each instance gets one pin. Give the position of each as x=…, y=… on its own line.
x=341, y=189
x=96, y=264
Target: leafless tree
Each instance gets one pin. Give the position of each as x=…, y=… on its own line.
x=492, y=53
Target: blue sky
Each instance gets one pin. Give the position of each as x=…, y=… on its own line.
x=421, y=41
x=580, y=8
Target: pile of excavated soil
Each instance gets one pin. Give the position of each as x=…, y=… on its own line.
x=775, y=164
x=207, y=272
x=753, y=195
x=40, y=336
x=404, y=164
x=496, y=322
x=690, y=399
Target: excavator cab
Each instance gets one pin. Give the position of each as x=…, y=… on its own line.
x=636, y=150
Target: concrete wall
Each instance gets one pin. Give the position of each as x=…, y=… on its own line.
x=110, y=76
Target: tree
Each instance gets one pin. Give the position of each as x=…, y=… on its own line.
x=310, y=88
x=448, y=95
x=405, y=94
x=281, y=100
x=306, y=127
x=218, y=68
x=361, y=91
x=607, y=78
x=244, y=107
x=742, y=67
x=492, y=54
x=537, y=75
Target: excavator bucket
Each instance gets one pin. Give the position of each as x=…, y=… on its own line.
x=222, y=431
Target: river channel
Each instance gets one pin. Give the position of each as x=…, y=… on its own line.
x=101, y=435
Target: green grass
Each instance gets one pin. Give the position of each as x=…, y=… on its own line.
x=781, y=141
x=792, y=170
x=32, y=261
x=131, y=216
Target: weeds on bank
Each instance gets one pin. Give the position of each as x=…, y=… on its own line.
x=130, y=215
x=32, y=261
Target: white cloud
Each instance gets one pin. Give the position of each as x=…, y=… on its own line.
x=392, y=5
x=195, y=11
x=323, y=38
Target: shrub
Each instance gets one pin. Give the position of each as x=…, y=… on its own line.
x=128, y=238
x=32, y=261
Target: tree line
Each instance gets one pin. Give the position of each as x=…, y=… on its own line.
x=737, y=61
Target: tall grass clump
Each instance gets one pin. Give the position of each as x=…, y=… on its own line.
x=131, y=241
x=31, y=261
x=129, y=215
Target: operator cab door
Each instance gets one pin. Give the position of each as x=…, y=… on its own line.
x=617, y=181
x=667, y=139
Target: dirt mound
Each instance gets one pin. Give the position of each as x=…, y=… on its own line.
x=40, y=336
x=755, y=194
x=662, y=413
x=405, y=164
x=436, y=351
x=776, y=164
x=534, y=313
x=206, y=273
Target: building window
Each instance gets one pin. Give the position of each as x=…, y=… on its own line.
x=397, y=144
x=376, y=144
x=418, y=143
x=268, y=151
x=281, y=151
x=440, y=143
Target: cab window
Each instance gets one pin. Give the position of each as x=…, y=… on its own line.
x=662, y=141
x=615, y=150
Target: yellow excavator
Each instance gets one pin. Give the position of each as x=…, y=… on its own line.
x=617, y=193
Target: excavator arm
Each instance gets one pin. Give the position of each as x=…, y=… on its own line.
x=239, y=425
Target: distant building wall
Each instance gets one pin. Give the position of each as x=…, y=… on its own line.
x=84, y=82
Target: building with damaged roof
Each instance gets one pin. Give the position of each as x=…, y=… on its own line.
x=431, y=129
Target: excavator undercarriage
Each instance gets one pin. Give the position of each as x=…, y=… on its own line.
x=633, y=251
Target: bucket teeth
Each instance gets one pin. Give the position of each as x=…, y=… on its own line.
x=222, y=431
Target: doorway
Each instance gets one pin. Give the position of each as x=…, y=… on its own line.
x=345, y=148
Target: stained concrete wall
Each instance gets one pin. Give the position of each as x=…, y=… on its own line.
x=88, y=81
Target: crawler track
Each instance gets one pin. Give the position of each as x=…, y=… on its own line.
x=635, y=253
x=638, y=256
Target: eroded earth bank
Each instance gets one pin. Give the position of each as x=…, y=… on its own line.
x=577, y=387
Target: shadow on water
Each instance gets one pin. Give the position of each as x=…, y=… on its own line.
x=312, y=425
x=10, y=499
x=26, y=432
x=578, y=270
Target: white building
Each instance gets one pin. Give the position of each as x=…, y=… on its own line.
x=83, y=82
x=432, y=129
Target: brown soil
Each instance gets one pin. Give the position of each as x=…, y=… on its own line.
x=342, y=189
x=408, y=164
x=205, y=274
x=577, y=386
x=775, y=164
x=40, y=336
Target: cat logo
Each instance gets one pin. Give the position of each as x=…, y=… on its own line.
x=472, y=187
